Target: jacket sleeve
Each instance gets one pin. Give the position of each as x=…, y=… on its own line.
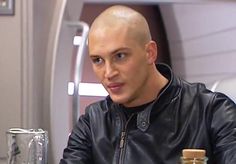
x=78, y=150
x=223, y=129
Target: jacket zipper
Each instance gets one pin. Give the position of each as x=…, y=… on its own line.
x=123, y=140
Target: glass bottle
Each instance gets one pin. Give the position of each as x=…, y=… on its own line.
x=194, y=156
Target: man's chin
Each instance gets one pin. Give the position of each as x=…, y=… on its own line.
x=118, y=100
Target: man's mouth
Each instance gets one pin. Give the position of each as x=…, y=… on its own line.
x=115, y=87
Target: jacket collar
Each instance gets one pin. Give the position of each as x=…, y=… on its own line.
x=166, y=96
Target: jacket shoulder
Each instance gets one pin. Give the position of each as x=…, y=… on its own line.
x=99, y=106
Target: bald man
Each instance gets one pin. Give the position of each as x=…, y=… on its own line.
x=150, y=115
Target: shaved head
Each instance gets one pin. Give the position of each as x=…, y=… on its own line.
x=123, y=56
x=122, y=17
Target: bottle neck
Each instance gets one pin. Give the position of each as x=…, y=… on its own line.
x=194, y=156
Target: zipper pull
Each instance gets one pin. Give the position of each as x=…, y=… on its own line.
x=122, y=139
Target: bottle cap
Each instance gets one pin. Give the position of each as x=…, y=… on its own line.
x=194, y=153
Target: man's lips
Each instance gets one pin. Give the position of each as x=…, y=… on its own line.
x=115, y=87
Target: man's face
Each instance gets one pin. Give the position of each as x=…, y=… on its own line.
x=120, y=63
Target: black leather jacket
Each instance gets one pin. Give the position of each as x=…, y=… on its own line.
x=184, y=115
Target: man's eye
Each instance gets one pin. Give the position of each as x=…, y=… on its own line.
x=97, y=60
x=120, y=55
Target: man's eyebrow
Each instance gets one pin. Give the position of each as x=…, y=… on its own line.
x=93, y=56
x=120, y=49
x=112, y=52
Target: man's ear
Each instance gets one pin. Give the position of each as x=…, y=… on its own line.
x=151, y=50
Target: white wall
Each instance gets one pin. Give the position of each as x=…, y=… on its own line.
x=10, y=74
x=27, y=55
x=23, y=45
x=202, y=40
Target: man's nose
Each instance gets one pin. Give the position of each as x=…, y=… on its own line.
x=110, y=70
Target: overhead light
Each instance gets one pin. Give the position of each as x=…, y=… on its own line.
x=77, y=40
x=92, y=89
x=88, y=89
x=71, y=87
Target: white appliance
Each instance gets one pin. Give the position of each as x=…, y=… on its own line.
x=58, y=119
x=226, y=86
